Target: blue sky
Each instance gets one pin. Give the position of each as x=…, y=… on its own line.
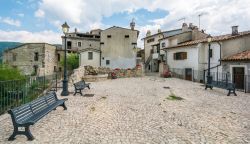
x=40, y=20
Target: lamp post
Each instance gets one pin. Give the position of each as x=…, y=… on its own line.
x=209, y=77
x=65, y=92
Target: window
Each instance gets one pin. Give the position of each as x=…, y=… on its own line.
x=107, y=62
x=109, y=36
x=102, y=42
x=69, y=44
x=163, y=44
x=60, y=69
x=36, y=56
x=150, y=40
x=90, y=55
x=210, y=53
x=126, y=36
x=79, y=44
x=58, y=57
x=180, y=56
x=54, y=68
x=14, y=57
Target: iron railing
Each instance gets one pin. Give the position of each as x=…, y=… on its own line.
x=14, y=93
x=242, y=82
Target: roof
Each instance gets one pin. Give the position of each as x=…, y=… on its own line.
x=242, y=56
x=120, y=28
x=164, y=33
x=123, y=28
x=214, y=39
x=27, y=44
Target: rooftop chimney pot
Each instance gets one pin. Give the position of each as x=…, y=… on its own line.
x=235, y=30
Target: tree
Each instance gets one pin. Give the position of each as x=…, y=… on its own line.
x=72, y=61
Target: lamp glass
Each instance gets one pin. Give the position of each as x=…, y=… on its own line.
x=65, y=30
x=209, y=38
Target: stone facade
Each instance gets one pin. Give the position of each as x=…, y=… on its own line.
x=33, y=58
x=86, y=44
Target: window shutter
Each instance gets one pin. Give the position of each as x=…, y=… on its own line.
x=185, y=55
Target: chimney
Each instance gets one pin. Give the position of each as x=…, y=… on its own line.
x=132, y=25
x=75, y=30
x=191, y=25
x=148, y=33
x=184, y=27
x=159, y=30
x=235, y=30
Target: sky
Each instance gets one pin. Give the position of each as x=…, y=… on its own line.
x=41, y=20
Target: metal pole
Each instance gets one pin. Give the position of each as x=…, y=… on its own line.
x=65, y=91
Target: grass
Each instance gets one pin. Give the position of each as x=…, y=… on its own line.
x=172, y=96
x=104, y=97
x=92, y=108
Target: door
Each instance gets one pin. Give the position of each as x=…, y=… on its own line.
x=188, y=74
x=239, y=77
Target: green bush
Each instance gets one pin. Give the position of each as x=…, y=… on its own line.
x=9, y=73
x=72, y=61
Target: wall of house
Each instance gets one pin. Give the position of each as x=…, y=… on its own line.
x=25, y=58
x=95, y=62
x=227, y=67
x=148, y=46
x=234, y=46
x=118, y=49
x=50, y=59
x=190, y=62
x=214, y=60
x=85, y=43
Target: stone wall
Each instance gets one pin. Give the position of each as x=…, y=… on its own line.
x=126, y=73
x=77, y=75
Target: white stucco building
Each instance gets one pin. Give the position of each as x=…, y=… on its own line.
x=191, y=58
x=117, y=47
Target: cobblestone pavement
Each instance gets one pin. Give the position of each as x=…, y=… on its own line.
x=135, y=110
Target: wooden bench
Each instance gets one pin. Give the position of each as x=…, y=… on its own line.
x=79, y=86
x=224, y=85
x=28, y=114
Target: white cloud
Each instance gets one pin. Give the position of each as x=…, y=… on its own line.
x=20, y=15
x=221, y=14
x=25, y=36
x=39, y=13
x=10, y=21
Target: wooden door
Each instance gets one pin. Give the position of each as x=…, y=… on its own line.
x=188, y=74
x=239, y=77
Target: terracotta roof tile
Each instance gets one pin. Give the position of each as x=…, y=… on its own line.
x=214, y=39
x=243, y=56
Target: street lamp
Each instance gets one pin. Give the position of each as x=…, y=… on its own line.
x=209, y=77
x=65, y=92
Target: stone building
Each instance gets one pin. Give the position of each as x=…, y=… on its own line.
x=33, y=58
x=87, y=45
x=117, y=47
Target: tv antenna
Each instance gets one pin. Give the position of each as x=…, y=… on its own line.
x=200, y=15
x=182, y=19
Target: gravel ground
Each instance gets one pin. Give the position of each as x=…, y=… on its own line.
x=136, y=110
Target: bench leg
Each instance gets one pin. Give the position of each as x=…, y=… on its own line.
x=64, y=106
x=28, y=134
x=12, y=137
x=81, y=92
